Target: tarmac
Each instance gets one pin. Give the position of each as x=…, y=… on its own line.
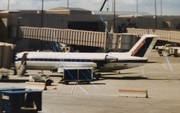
x=160, y=78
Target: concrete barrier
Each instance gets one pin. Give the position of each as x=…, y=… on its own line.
x=36, y=86
x=133, y=93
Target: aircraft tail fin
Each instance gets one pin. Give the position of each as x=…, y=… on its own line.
x=144, y=46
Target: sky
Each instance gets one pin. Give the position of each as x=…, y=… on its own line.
x=169, y=7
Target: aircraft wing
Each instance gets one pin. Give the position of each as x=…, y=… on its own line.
x=87, y=64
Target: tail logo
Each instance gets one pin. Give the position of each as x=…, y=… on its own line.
x=138, y=47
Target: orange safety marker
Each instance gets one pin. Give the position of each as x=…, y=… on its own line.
x=55, y=88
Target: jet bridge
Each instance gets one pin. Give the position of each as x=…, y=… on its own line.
x=6, y=58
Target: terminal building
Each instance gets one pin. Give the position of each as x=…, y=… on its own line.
x=80, y=19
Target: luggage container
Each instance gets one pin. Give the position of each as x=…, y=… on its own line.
x=7, y=89
x=19, y=101
x=78, y=76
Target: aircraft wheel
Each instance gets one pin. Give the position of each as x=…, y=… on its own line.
x=48, y=82
x=175, y=55
x=88, y=82
x=4, y=77
x=66, y=82
x=97, y=76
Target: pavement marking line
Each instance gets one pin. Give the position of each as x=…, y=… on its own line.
x=168, y=62
x=142, y=71
x=73, y=89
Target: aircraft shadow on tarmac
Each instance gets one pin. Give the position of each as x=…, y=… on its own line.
x=124, y=78
x=13, y=81
x=127, y=76
x=134, y=78
x=92, y=83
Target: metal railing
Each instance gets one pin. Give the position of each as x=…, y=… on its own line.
x=173, y=36
x=66, y=36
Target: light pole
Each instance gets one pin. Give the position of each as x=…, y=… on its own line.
x=155, y=16
x=42, y=13
x=161, y=7
x=8, y=5
x=114, y=15
x=136, y=6
x=67, y=3
x=42, y=19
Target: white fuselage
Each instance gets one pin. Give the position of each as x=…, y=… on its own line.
x=60, y=61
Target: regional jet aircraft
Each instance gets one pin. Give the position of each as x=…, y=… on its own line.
x=100, y=62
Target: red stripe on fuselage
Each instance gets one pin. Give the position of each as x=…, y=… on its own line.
x=138, y=47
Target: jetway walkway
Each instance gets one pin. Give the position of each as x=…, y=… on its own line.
x=166, y=35
x=73, y=37
x=66, y=36
x=92, y=38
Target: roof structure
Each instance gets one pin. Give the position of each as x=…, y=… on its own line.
x=69, y=10
x=119, y=13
